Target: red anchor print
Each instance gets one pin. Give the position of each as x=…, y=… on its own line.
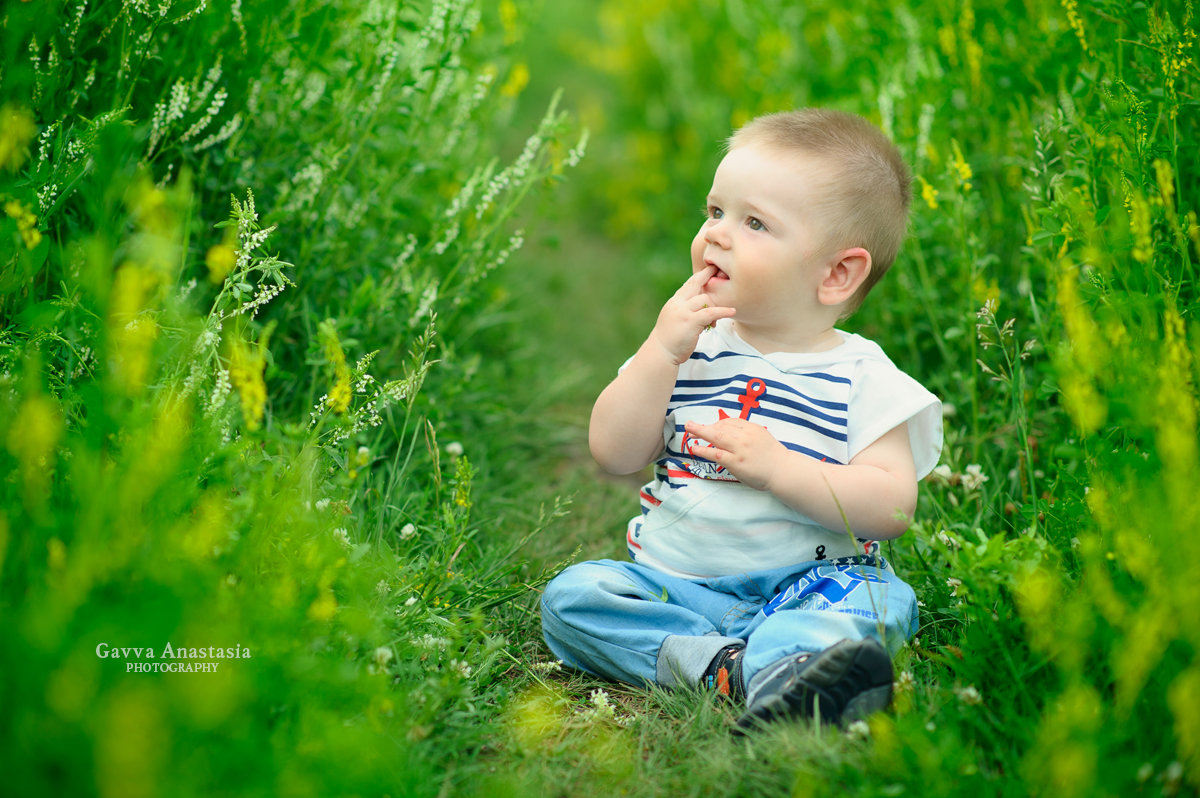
x=748, y=400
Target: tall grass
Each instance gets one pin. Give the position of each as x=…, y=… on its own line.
x=244, y=276
x=263, y=387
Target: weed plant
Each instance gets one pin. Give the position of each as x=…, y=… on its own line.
x=245, y=316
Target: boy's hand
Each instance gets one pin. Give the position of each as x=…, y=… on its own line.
x=685, y=316
x=746, y=450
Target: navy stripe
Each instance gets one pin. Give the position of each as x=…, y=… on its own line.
x=795, y=421
x=762, y=410
x=795, y=447
x=737, y=384
x=719, y=355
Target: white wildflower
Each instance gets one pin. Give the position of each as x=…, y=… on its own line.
x=322, y=505
x=46, y=196
x=577, y=152
x=219, y=394
x=218, y=101
x=411, y=600
x=969, y=695
x=428, y=297
x=924, y=129
x=946, y=540
x=407, y=531
x=431, y=642
x=314, y=89
x=974, y=477
x=342, y=536
x=954, y=584
x=602, y=708
x=454, y=449
x=381, y=587
x=859, y=729
x=451, y=234
x=382, y=656
x=227, y=130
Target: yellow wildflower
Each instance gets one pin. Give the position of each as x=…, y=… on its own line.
x=1076, y=22
x=26, y=223
x=1165, y=176
x=1140, y=226
x=975, y=63
x=340, y=394
x=220, y=260
x=518, y=79
x=961, y=167
x=131, y=331
x=324, y=606
x=948, y=43
x=928, y=193
x=245, y=372
x=509, y=18
x=17, y=129
x=33, y=439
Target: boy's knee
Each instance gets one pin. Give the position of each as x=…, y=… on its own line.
x=571, y=586
x=585, y=584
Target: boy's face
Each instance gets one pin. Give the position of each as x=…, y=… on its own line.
x=763, y=232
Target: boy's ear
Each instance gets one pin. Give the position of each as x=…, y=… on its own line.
x=845, y=275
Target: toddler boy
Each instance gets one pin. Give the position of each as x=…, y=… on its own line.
x=783, y=447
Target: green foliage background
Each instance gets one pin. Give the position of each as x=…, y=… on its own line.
x=325, y=420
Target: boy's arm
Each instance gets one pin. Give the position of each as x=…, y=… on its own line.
x=877, y=490
x=626, y=431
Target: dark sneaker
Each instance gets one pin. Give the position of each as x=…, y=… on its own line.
x=847, y=681
x=724, y=673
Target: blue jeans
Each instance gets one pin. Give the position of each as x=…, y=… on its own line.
x=632, y=623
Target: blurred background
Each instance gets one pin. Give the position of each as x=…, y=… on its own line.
x=303, y=308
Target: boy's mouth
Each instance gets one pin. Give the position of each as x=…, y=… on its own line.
x=720, y=276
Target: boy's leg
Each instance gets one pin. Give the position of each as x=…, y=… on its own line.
x=820, y=642
x=826, y=604
x=634, y=624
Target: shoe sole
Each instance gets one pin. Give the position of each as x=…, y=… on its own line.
x=809, y=696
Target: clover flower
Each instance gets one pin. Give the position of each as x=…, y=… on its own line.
x=969, y=695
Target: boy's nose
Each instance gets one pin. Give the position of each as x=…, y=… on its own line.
x=717, y=234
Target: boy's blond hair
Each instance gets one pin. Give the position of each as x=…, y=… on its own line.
x=866, y=184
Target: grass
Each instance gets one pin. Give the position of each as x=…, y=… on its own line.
x=338, y=419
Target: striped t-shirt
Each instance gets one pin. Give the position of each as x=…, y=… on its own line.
x=697, y=520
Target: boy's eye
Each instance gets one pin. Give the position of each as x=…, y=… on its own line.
x=755, y=224
x=713, y=212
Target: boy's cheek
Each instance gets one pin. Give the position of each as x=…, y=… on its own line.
x=698, y=251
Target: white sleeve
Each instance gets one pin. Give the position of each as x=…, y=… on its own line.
x=881, y=398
